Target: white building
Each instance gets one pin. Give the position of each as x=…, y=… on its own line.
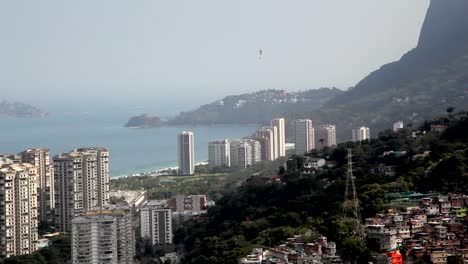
x=397, y=126
x=45, y=174
x=18, y=209
x=326, y=136
x=256, y=150
x=103, y=237
x=241, y=154
x=361, y=133
x=279, y=123
x=81, y=183
x=186, y=151
x=156, y=224
x=304, y=139
x=266, y=137
x=219, y=153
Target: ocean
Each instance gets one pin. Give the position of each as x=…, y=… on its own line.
x=132, y=150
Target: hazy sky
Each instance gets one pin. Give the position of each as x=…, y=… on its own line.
x=146, y=49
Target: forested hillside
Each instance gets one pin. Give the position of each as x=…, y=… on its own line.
x=263, y=212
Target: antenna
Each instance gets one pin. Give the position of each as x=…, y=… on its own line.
x=351, y=209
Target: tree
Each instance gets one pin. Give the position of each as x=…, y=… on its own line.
x=455, y=259
x=355, y=251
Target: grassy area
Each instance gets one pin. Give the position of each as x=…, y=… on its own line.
x=214, y=185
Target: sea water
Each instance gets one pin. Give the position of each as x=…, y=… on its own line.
x=132, y=150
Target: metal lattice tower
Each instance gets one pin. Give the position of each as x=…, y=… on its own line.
x=351, y=209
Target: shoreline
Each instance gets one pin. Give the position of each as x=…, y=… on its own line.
x=154, y=173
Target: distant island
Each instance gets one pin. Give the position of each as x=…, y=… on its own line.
x=19, y=109
x=144, y=121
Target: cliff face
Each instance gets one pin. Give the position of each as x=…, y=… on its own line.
x=423, y=83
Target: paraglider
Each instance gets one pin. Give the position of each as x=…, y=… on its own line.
x=260, y=53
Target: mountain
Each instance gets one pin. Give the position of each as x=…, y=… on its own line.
x=422, y=84
x=144, y=121
x=18, y=109
x=255, y=108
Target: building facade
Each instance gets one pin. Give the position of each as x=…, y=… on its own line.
x=186, y=153
x=45, y=174
x=193, y=203
x=219, y=153
x=326, y=136
x=18, y=209
x=105, y=236
x=361, y=133
x=241, y=154
x=266, y=137
x=156, y=225
x=304, y=138
x=256, y=150
x=279, y=123
x=81, y=183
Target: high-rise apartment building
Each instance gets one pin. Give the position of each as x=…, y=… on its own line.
x=45, y=174
x=256, y=150
x=279, y=123
x=81, y=183
x=326, y=136
x=397, y=126
x=304, y=138
x=266, y=137
x=106, y=236
x=156, y=224
x=241, y=154
x=219, y=153
x=361, y=133
x=186, y=151
x=18, y=209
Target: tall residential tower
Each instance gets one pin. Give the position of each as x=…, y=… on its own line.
x=326, y=136
x=219, y=153
x=361, y=133
x=18, y=209
x=186, y=151
x=45, y=175
x=81, y=183
x=304, y=136
x=279, y=123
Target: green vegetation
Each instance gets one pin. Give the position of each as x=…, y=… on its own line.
x=256, y=108
x=214, y=185
x=58, y=252
x=264, y=213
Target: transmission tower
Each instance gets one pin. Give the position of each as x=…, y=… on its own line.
x=351, y=209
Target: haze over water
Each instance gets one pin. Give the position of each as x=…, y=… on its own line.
x=132, y=150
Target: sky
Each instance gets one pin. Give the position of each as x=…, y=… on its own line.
x=184, y=52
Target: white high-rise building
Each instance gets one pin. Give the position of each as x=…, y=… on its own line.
x=256, y=150
x=156, y=224
x=241, y=154
x=219, y=153
x=45, y=174
x=266, y=137
x=81, y=183
x=397, y=126
x=279, y=123
x=361, y=133
x=304, y=136
x=326, y=136
x=100, y=237
x=186, y=151
x=18, y=209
